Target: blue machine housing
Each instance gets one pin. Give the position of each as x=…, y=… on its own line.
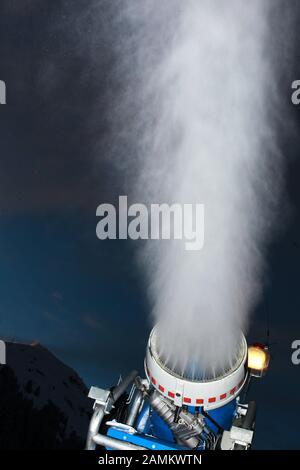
x=160, y=412
x=154, y=434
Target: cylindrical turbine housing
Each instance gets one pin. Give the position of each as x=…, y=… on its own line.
x=207, y=393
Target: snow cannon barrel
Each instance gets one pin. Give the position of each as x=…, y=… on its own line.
x=196, y=408
x=208, y=393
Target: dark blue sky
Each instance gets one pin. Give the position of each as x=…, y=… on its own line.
x=85, y=299
x=79, y=297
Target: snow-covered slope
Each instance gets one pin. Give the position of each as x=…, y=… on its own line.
x=38, y=390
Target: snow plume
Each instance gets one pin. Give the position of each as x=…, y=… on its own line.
x=197, y=86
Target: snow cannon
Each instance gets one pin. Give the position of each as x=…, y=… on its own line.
x=171, y=410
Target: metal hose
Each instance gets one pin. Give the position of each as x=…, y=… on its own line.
x=122, y=387
x=135, y=407
x=101, y=409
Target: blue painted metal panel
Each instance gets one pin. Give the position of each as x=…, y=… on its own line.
x=223, y=416
x=154, y=434
x=143, y=440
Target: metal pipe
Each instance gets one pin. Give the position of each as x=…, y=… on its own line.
x=94, y=427
x=102, y=409
x=166, y=411
x=115, y=444
x=249, y=420
x=135, y=407
x=122, y=387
